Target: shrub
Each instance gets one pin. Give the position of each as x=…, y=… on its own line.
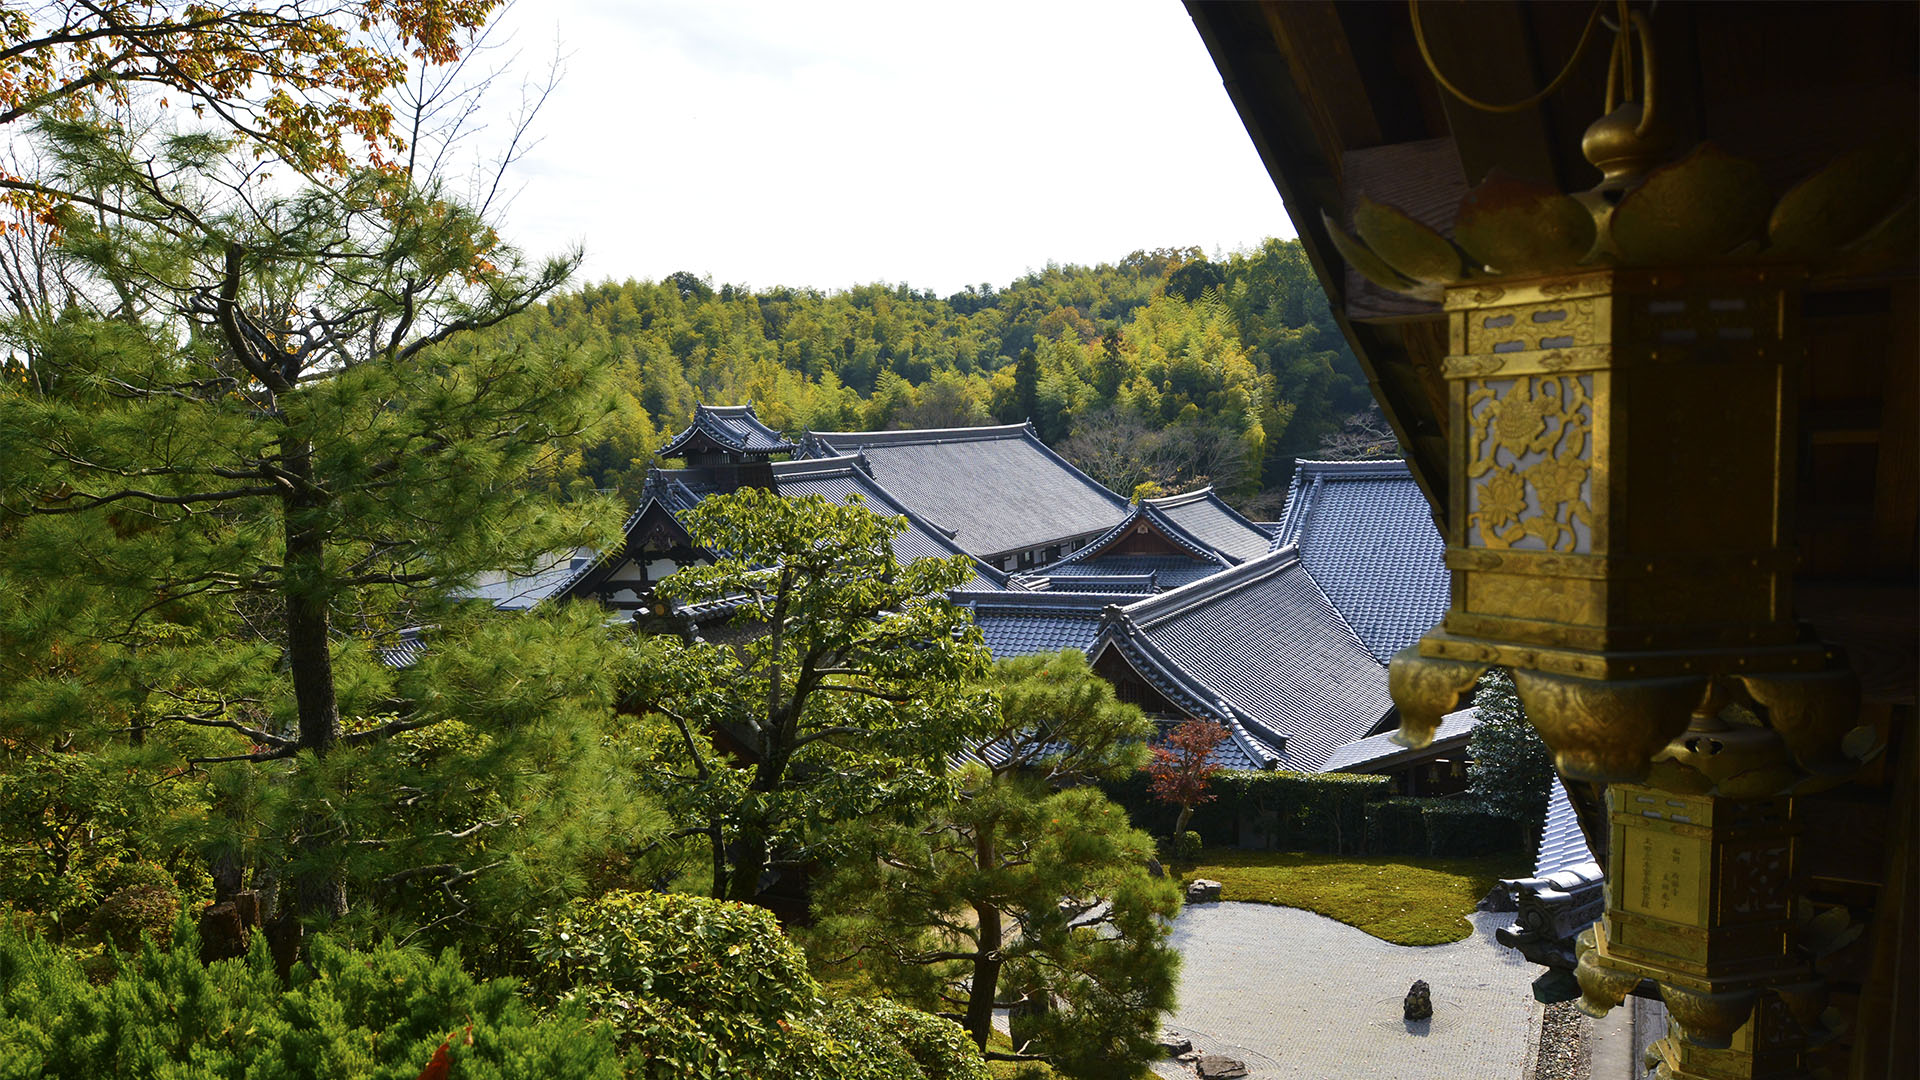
x=696, y=987
x=1302, y=811
x=1437, y=827
x=1189, y=846
x=147, y=903
x=894, y=1042
x=382, y=1012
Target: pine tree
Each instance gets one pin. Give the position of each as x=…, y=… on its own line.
x=1029, y=889
x=272, y=451
x=843, y=701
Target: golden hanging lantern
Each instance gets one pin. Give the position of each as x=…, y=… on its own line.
x=1621, y=379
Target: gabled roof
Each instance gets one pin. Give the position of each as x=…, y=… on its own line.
x=1207, y=519
x=1380, y=751
x=1213, y=535
x=1258, y=647
x=998, y=489
x=727, y=427
x=1366, y=534
x=836, y=479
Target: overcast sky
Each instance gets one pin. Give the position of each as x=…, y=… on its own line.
x=830, y=144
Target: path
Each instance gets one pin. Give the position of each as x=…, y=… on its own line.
x=1298, y=995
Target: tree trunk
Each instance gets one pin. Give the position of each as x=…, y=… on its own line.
x=752, y=850
x=1180, y=829
x=316, y=891
x=986, y=966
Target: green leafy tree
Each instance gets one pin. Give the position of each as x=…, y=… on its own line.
x=841, y=697
x=1028, y=890
x=1511, y=769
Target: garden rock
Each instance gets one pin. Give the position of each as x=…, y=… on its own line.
x=1201, y=891
x=1419, y=1003
x=1173, y=1044
x=1217, y=1067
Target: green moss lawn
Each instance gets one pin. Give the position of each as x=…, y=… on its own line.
x=1399, y=899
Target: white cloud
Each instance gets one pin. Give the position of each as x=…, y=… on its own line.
x=832, y=144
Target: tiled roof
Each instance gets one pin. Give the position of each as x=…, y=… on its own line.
x=1562, y=845
x=732, y=426
x=999, y=489
x=834, y=478
x=1380, y=751
x=839, y=478
x=1205, y=517
x=1258, y=646
x=1021, y=624
x=1366, y=534
x=1166, y=572
x=518, y=592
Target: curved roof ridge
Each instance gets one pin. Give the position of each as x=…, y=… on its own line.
x=722, y=424
x=910, y=436
x=1175, y=601
x=1185, y=497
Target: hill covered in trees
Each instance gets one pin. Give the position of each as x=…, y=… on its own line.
x=1165, y=367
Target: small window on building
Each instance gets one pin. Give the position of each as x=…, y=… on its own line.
x=1026, y=558
x=1053, y=552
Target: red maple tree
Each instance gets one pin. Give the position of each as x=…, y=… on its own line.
x=1182, y=767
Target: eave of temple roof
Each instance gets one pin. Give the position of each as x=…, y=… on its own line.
x=999, y=489
x=1261, y=644
x=728, y=427
x=1376, y=752
x=1366, y=534
x=1019, y=623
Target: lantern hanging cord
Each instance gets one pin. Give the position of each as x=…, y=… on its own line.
x=1579, y=50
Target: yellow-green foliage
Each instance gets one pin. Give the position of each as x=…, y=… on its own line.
x=714, y=990
x=344, y=1015
x=1403, y=901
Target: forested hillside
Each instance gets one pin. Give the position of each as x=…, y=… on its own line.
x=1165, y=367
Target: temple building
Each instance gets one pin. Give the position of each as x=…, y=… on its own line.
x=999, y=492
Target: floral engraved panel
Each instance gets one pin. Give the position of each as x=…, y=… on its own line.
x=1530, y=477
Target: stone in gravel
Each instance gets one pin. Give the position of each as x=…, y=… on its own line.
x=1419, y=1003
x=1201, y=891
x=1216, y=1067
x=1173, y=1044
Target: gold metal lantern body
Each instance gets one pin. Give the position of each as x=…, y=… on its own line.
x=1625, y=439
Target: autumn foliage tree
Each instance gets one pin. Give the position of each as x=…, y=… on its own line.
x=1182, y=769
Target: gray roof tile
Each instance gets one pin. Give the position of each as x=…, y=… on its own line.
x=1021, y=624
x=1208, y=519
x=1261, y=646
x=998, y=489
x=1366, y=534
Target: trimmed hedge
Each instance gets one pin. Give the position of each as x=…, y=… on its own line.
x=1285, y=811
x=1417, y=826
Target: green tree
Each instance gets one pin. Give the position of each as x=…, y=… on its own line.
x=842, y=696
x=274, y=450
x=1029, y=889
x=1511, y=770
